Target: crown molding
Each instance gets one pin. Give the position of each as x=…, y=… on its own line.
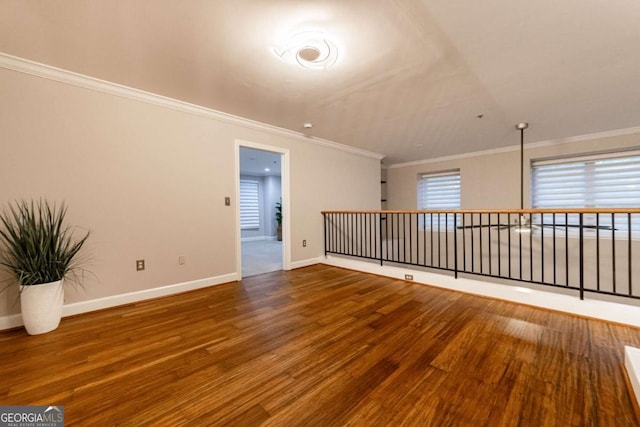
x=37, y=69
x=530, y=146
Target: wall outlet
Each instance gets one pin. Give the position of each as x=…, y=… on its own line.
x=408, y=277
x=181, y=260
x=139, y=265
x=304, y=243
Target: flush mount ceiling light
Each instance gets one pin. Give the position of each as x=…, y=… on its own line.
x=310, y=49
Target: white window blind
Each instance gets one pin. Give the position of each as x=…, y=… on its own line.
x=249, y=204
x=604, y=181
x=439, y=191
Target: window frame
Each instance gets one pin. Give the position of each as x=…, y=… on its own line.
x=589, y=175
x=255, y=223
x=445, y=222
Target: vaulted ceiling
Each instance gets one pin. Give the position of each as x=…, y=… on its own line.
x=410, y=81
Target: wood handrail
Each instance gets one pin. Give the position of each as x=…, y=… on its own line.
x=494, y=211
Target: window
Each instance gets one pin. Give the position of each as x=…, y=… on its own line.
x=604, y=181
x=439, y=191
x=249, y=204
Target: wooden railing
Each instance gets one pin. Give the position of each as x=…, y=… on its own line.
x=589, y=250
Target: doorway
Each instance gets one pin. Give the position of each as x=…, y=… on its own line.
x=262, y=187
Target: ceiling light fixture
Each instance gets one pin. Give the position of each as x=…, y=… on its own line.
x=267, y=169
x=521, y=127
x=310, y=49
x=524, y=225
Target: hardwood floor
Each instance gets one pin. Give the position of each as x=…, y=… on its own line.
x=324, y=346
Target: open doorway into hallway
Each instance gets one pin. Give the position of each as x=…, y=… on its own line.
x=260, y=211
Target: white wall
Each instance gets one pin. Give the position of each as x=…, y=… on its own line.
x=149, y=180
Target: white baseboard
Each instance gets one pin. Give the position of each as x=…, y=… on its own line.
x=257, y=238
x=610, y=311
x=10, y=321
x=598, y=309
x=15, y=320
x=306, y=262
x=632, y=366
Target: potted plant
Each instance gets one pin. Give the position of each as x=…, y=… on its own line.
x=39, y=251
x=279, y=219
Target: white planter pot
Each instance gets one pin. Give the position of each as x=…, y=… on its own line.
x=42, y=307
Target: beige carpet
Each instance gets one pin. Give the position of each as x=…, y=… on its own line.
x=261, y=256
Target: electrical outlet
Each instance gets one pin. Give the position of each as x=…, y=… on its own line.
x=139, y=264
x=181, y=260
x=304, y=243
x=408, y=277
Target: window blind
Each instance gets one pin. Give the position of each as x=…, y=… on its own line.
x=604, y=181
x=249, y=204
x=439, y=191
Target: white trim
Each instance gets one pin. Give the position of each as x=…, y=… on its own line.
x=257, y=238
x=285, y=173
x=307, y=262
x=632, y=366
x=575, y=158
x=37, y=69
x=597, y=309
x=11, y=321
x=15, y=320
x=450, y=172
x=530, y=146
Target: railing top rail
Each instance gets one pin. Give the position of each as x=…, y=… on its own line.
x=494, y=211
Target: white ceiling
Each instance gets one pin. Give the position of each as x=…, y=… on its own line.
x=411, y=77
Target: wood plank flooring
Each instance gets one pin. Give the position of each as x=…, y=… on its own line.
x=322, y=346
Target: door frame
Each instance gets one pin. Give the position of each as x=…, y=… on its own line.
x=284, y=192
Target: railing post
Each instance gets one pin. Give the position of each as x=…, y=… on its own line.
x=581, y=257
x=380, y=232
x=455, y=245
x=324, y=229
x=630, y=238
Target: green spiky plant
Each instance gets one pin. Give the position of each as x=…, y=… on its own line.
x=279, y=220
x=279, y=212
x=37, y=246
